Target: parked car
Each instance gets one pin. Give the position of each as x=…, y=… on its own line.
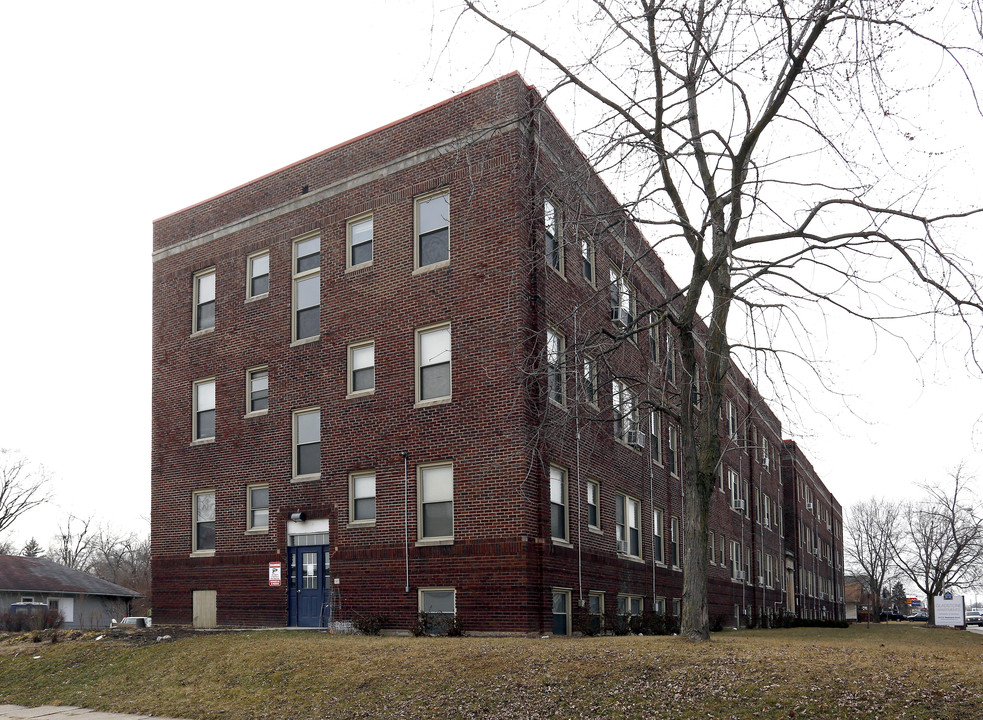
x=891, y=615
x=974, y=618
x=920, y=616
x=133, y=621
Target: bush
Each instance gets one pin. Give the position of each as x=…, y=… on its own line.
x=437, y=624
x=30, y=621
x=717, y=623
x=369, y=624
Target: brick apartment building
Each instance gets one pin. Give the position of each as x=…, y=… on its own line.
x=398, y=368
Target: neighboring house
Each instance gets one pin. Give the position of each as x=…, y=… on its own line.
x=380, y=387
x=83, y=600
x=813, y=540
x=856, y=598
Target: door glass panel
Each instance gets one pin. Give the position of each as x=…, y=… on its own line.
x=309, y=569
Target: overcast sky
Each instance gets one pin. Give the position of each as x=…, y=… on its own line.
x=115, y=114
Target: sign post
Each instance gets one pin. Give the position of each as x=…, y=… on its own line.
x=950, y=610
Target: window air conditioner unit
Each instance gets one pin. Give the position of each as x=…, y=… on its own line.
x=829, y=526
x=761, y=579
x=620, y=316
x=765, y=462
x=809, y=506
x=635, y=437
x=738, y=504
x=622, y=546
x=816, y=550
x=739, y=575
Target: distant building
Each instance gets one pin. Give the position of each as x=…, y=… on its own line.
x=382, y=386
x=84, y=601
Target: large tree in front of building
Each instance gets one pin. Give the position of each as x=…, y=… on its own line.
x=765, y=142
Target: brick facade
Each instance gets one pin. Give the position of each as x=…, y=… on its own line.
x=506, y=429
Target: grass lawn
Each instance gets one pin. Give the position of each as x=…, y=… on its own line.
x=891, y=671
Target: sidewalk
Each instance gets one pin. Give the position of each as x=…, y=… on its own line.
x=66, y=712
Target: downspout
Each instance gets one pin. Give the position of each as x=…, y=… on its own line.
x=406, y=516
x=580, y=499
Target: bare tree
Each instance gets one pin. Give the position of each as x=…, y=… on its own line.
x=124, y=560
x=871, y=536
x=940, y=546
x=73, y=545
x=22, y=487
x=758, y=137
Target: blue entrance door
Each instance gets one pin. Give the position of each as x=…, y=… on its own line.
x=309, y=586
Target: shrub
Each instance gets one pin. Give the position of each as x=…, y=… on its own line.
x=369, y=624
x=437, y=624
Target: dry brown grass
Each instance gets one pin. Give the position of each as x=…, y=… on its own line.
x=897, y=671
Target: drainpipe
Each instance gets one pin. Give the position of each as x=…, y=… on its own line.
x=406, y=515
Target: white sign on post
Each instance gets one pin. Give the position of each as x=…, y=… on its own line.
x=275, y=568
x=949, y=610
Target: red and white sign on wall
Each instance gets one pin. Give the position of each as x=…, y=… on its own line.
x=275, y=569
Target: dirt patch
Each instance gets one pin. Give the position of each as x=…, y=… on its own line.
x=12, y=643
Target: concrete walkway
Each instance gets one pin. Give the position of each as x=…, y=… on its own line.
x=65, y=712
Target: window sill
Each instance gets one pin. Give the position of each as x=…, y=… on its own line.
x=433, y=266
x=305, y=478
x=676, y=568
x=558, y=271
x=255, y=414
x=202, y=333
x=360, y=266
x=594, y=529
x=203, y=441
x=559, y=405
x=361, y=524
x=305, y=341
x=202, y=553
x=254, y=298
x=630, y=558
x=360, y=394
x=560, y=542
x=432, y=402
x=257, y=531
x=429, y=542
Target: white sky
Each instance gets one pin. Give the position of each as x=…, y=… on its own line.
x=115, y=114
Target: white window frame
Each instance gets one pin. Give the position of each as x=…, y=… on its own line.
x=421, y=471
x=732, y=421
x=625, y=407
x=250, y=527
x=196, y=300
x=625, y=602
x=622, y=299
x=655, y=435
x=568, y=595
x=670, y=356
x=553, y=231
x=354, y=349
x=593, y=485
x=599, y=596
x=712, y=542
x=421, y=605
x=417, y=202
x=196, y=409
x=556, y=367
x=673, y=448
x=658, y=536
x=675, y=543
x=251, y=274
x=350, y=226
x=560, y=496
x=299, y=276
x=353, y=482
x=420, y=332
x=590, y=380
x=296, y=476
x=588, y=259
x=195, y=541
x=623, y=531
x=250, y=372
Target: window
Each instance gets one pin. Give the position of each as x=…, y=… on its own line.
x=555, y=367
x=362, y=494
x=659, y=606
x=361, y=368
x=769, y=570
x=561, y=612
x=590, y=380
x=204, y=291
x=436, y=502
x=622, y=300
x=757, y=504
x=674, y=543
x=626, y=524
x=258, y=508
x=747, y=498
x=723, y=545
x=258, y=275
x=713, y=547
x=204, y=412
x=433, y=354
x=359, y=241
x=670, y=358
x=587, y=257
x=595, y=611
x=552, y=240
x=629, y=605
x=767, y=511
x=307, y=443
x=655, y=432
x=432, y=230
x=307, y=288
x=559, y=529
x=672, y=457
x=658, y=542
x=732, y=421
x=654, y=342
x=203, y=506
x=257, y=390
x=624, y=404
x=735, y=560
x=439, y=605
x=734, y=485
x=593, y=502
x=677, y=607
x=695, y=397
